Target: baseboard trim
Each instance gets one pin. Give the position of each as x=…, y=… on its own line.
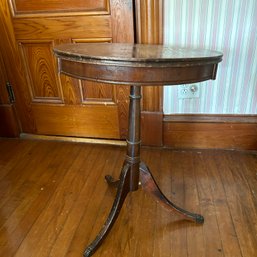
x=237, y=132
x=73, y=139
x=151, y=128
x=210, y=118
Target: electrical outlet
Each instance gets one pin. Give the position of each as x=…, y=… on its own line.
x=188, y=91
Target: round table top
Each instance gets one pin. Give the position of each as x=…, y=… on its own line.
x=134, y=53
x=138, y=64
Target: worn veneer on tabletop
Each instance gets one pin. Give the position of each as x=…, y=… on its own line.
x=136, y=65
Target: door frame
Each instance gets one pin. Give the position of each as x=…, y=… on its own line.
x=149, y=30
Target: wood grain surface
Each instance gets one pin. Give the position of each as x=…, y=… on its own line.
x=54, y=200
x=30, y=29
x=210, y=131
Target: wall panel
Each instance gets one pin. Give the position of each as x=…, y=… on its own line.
x=225, y=25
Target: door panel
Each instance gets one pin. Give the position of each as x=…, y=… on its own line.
x=69, y=27
x=61, y=105
x=41, y=71
x=72, y=120
x=98, y=93
x=49, y=6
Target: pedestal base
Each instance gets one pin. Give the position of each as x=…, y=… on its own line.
x=149, y=185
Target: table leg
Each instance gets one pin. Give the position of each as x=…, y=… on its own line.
x=129, y=177
x=123, y=190
x=149, y=184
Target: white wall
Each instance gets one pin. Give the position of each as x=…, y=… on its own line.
x=229, y=26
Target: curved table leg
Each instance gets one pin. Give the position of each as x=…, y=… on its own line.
x=123, y=190
x=150, y=185
x=111, y=181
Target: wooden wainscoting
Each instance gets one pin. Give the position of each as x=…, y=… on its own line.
x=210, y=131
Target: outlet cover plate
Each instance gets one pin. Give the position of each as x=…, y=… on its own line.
x=188, y=91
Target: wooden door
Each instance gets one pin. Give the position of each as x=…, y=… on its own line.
x=53, y=104
x=3, y=79
x=8, y=122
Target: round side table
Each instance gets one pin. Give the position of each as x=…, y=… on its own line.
x=136, y=65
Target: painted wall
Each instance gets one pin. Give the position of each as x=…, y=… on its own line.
x=229, y=26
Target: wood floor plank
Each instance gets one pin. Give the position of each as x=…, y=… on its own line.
x=16, y=186
x=24, y=218
x=147, y=221
x=164, y=218
x=14, y=182
x=195, y=236
x=101, y=187
x=178, y=229
x=249, y=168
x=54, y=201
x=96, y=210
x=7, y=151
x=212, y=237
x=242, y=206
x=230, y=244
x=50, y=223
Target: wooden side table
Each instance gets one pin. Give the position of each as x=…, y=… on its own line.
x=136, y=65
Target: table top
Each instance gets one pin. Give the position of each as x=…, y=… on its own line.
x=142, y=53
x=137, y=64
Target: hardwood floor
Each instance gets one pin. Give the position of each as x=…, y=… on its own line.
x=54, y=200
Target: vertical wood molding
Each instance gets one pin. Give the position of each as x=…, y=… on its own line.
x=122, y=32
x=149, y=21
x=9, y=126
x=3, y=79
x=15, y=74
x=149, y=30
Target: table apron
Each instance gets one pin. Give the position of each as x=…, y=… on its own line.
x=138, y=75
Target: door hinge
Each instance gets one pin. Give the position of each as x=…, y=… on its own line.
x=10, y=92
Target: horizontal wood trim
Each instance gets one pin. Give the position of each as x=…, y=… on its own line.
x=210, y=118
x=74, y=139
x=63, y=27
x=210, y=131
x=151, y=128
x=8, y=126
x=80, y=121
x=58, y=8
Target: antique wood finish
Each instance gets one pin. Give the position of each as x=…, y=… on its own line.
x=13, y=67
x=32, y=29
x=30, y=7
x=151, y=127
x=210, y=131
x=3, y=80
x=52, y=209
x=139, y=65
x=9, y=124
x=149, y=30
